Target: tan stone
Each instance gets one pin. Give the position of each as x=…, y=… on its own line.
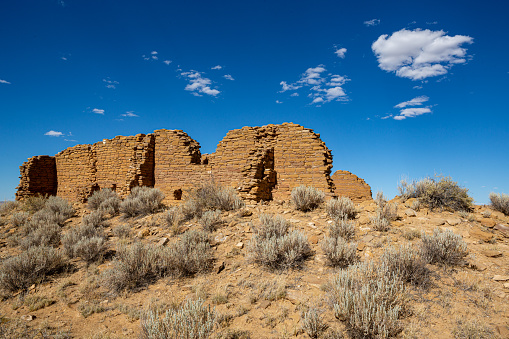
x=487, y=222
x=478, y=234
x=453, y=221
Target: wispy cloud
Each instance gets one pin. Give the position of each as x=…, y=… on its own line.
x=167, y=62
x=341, y=52
x=420, y=54
x=151, y=56
x=54, y=133
x=406, y=111
x=98, y=111
x=218, y=67
x=198, y=84
x=4, y=82
x=130, y=114
x=323, y=87
x=278, y=102
x=228, y=77
x=414, y=102
x=372, y=22
x=110, y=83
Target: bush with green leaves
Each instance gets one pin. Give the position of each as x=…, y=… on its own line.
x=192, y=320
x=500, y=202
x=369, y=299
x=209, y=197
x=143, y=200
x=339, y=252
x=306, y=198
x=274, y=246
x=407, y=262
x=437, y=192
x=444, y=247
x=30, y=267
x=341, y=208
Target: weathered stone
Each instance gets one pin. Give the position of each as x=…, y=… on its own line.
x=478, y=234
x=501, y=277
x=492, y=253
x=476, y=265
x=313, y=239
x=453, y=221
x=351, y=186
x=487, y=222
x=240, y=245
x=436, y=221
x=410, y=212
x=162, y=242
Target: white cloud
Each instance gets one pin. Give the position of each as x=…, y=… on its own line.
x=64, y=58
x=324, y=87
x=4, y=82
x=152, y=56
x=199, y=84
x=130, y=114
x=294, y=94
x=341, y=52
x=412, y=112
x=110, y=83
x=414, y=102
x=167, y=62
x=372, y=22
x=419, y=54
x=54, y=133
x=153, y=52
x=98, y=111
x=278, y=102
x=228, y=77
x=417, y=87
x=218, y=67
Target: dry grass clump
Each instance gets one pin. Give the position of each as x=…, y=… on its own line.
x=94, y=219
x=19, y=219
x=211, y=197
x=138, y=264
x=60, y=207
x=192, y=320
x=339, y=252
x=385, y=213
x=34, y=203
x=209, y=220
x=380, y=223
x=408, y=263
x=143, y=200
x=369, y=299
x=472, y=329
x=8, y=207
x=106, y=201
x=31, y=266
x=122, y=231
x=312, y=322
x=341, y=208
x=443, y=247
x=437, y=192
x=86, y=242
x=42, y=235
x=500, y=202
x=342, y=228
x=275, y=247
x=306, y=198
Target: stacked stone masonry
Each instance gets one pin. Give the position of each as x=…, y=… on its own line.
x=350, y=185
x=261, y=163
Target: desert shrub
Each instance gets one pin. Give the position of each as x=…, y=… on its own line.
x=339, y=252
x=500, y=202
x=306, y=198
x=43, y=235
x=437, y=192
x=342, y=228
x=341, y=207
x=192, y=320
x=173, y=216
x=274, y=246
x=211, y=197
x=209, y=220
x=94, y=219
x=368, y=298
x=486, y=214
x=385, y=209
x=408, y=263
x=411, y=234
x=19, y=219
x=472, y=329
x=138, y=264
x=34, y=203
x=443, y=247
x=60, y=207
x=380, y=223
x=122, y=231
x=85, y=241
x=8, y=207
x=106, y=200
x=31, y=266
x=312, y=322
x=142, y=201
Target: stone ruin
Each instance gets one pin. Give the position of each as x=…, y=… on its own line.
x=261, y=163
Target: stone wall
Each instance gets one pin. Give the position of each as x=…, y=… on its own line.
x=350, y=185
x=38, y=176
x=261, y=163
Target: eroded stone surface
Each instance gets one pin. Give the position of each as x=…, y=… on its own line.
x=351, y=186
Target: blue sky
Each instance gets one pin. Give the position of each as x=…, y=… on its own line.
x=395, y=89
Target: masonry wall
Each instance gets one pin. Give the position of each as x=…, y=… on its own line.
x=350, y=185
x=38, y=175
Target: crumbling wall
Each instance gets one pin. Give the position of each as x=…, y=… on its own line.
x=38, y=176
x=350, y=185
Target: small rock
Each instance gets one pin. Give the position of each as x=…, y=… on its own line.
x=436, y=221
x=478, y=234
x=240, y=245
x=245, y=212
x=501, y=277
x=487, y=222
x=453, y=221
x=361, y=246
x=501, y=227
x=313, y=239
x=477, y=266
x=506, y=285
x=220, y=238
x=368, y=238
x=220, y=268
x=264, y=304
x=311, y=224
x=410, y=212
x=492, y=253
x=143, y=233
x=162, y=242
x=32, y=287
x=363, y=220
x=28, y=317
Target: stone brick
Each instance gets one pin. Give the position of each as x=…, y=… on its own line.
x=351, y=186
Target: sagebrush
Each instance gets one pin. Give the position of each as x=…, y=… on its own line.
x=500, y=202
x=444, y=247
x=306, y=198
x=209, y=197
x=342, y=208
x=143, y=200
